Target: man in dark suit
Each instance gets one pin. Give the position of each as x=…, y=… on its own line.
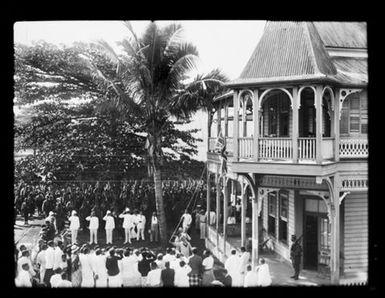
x=195, y=262
x=295, y=255
x=167, y=275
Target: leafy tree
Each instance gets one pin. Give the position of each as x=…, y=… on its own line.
x=151, y=81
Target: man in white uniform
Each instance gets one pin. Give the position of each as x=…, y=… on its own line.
x=74, y=226
x=40, y=261
x=94, y=225
x=110, y=226
x=58, y=255
x=153, y=277
x=100, y=269
x=141, y=223
x=244, y=261
x=128, y=225
x=186, y=221
x=232, y=265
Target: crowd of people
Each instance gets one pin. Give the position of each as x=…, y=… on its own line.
x=54, y=264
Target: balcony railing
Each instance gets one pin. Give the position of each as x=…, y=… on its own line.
x=245, y=147
x=229, y=145
x=353, y=148
x=275, y=148
x=212, y=141
x=306, y=148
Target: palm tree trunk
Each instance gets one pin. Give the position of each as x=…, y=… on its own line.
x=160, y=206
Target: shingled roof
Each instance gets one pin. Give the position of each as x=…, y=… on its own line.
x=296, y=51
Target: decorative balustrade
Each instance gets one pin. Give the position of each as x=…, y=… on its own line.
x=306, y=148
x=354, y=183
x=353, y=148
x=245, y=147
x=275, y=148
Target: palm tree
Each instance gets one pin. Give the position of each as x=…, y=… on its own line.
x=152, y=81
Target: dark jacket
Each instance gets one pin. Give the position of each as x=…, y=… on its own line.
x=195, y=262
x=112, y=265
x=144, y=264
x=167, y=276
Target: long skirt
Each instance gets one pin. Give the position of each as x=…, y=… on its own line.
x=208, y=277
x=194, y=280
x=76, y=278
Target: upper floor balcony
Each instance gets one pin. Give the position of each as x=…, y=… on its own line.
x=311, y=124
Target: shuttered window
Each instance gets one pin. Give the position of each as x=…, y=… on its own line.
x=354, y=114
x=272, y=211
x=283, y=215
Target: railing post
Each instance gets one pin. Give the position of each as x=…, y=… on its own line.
x=208, y=201
x=337, y=125
x=219, y=116
x=295, y=107
x=255, y=231
x=208, y=130
x=243, y=215
x=256, y=124
x=235, y=124
x=225, y=213
x=335, y=232
x=218, y=206
x=318, y=106
x=226, y=133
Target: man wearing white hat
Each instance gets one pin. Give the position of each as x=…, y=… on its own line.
x=128, y=225
x=94, y=225
x=110, y=226
x=74, y=226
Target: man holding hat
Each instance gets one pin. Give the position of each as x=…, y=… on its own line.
x=94, y=225
x=74, y=226
x=128, y=225
x=110, y=226
x=295, y=255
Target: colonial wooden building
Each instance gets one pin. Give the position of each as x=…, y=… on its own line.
x=295, y=124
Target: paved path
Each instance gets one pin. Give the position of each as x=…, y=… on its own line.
x=28, y=234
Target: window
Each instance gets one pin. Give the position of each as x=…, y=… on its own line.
x=354, y=114
x=272, y=213
x=283, y=215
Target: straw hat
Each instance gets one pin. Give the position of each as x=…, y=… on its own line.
x=74, y=212
x=127, y=209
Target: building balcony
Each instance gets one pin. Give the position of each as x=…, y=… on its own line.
x=271, y=149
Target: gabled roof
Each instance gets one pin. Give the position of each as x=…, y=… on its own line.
x=295, y=51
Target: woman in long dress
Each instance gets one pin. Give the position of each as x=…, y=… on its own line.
x=208, y=269
x=181, y=275
x=264, y=278
x=76, y=274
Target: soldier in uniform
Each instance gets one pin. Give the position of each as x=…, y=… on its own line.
x=295, y=255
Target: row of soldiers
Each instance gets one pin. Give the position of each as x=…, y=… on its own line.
x=100, y=197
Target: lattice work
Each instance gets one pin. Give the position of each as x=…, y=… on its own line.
x=290, y=182
x=353, y=148
x=354, y=183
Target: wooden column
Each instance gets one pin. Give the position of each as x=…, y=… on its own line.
x=235, y=125
x=243, y=215
x=335, y=237
x=254, y=237
x=244, y=118
x=336, y=120
x=226, y=133
x=295, y=107
x=218, y=210
x=219, y=116
x=318, y=106
x=225, y=213
x=256, y=124
x=208, y=201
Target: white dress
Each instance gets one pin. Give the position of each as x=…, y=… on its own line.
x=181, y=276
x=87, y=272
x=264, y=278
x=232, y=265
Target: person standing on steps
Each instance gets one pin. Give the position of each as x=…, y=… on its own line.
x=295, y=255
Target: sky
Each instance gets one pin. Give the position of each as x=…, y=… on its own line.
x=226, y=45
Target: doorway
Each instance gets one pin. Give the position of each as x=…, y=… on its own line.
x=310, y=244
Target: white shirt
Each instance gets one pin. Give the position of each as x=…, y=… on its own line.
x=40, y=259
x=130, y=266
x=154, y=220
x=128, y=220
x=99, y=264
x=213, y=217
x=23, y=279
x=244, y=260
x=160, y=264
x=168, y=258
x=49, y=257
x=153, y=278
x=75, y=224
x=57, y=257
x=187, y=219
x=174, y=264
x=110, y=222
x=64, y=284
x=55, y=280
x=25, y=260
x=181, y=276
x=208, y=263
x=251, y=279
x=94, y=222
x=141, y=219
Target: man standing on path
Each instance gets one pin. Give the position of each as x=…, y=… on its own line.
x=232, y=265
x=154, y=235
x=141, y=219
x=195, y=262
x=74, y=226
x=128, y=225
x=186, y=221
x=94, y=225
x=110, y=226
x=295, y=255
